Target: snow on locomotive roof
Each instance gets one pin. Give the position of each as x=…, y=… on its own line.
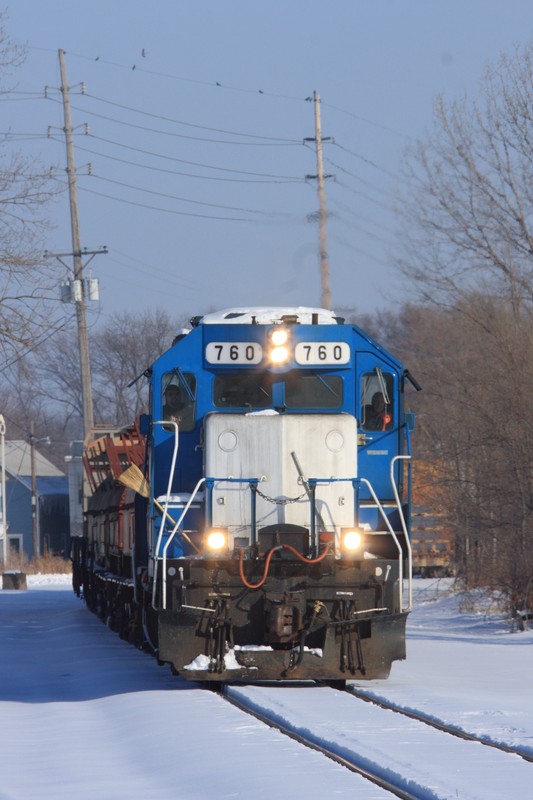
x=264, y=315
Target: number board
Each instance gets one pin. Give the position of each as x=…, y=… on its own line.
x=234, y=353
x=322, y=353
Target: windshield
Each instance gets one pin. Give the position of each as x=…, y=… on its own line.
x=303, y=390
x=243, y=390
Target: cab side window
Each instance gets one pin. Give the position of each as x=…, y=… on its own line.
x=377, y=396
x=179, y=394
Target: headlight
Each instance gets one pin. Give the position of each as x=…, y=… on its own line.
x=279, y=336
x=216, y=541
x=279, y=352
x=351, y=540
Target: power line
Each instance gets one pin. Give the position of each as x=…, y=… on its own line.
x=29, y=348
x=217, y=85
x=366, y=120
x=366, y=183
x=278, y=139
x=363, y=195
x=174, y=211
x=143, y=266
x=10, y=92
x=170, y=282
x=361, y=217
x=350, y=246
x=164, y=210
x=212, y=84
x=175, y=135
x=187, y=174
x=192, y=163
x=362, y=230
x=9, y=134
x=352, y=175
x=18, y=99
x=226, y=174
x=176, y=197
x=366, y=160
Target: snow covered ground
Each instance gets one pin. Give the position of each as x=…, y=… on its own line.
x=84, y=715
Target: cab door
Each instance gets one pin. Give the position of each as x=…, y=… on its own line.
x=378, y=415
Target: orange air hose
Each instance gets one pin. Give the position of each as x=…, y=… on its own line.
x=269, y=558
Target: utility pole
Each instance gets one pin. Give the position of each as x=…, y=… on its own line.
x=34, y=494
x=81, y=316
x=323, y=216
x=33, y=491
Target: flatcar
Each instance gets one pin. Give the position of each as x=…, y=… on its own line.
x=255, y=524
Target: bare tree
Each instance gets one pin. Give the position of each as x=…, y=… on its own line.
x=474, y=432
x=28, y=307
x=47, y=384
x=468, y=225
x=55, y=368
x=121, y=352
x=468, y=215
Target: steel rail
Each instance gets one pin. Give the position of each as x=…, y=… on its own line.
x=453, y=730
x=397, y=791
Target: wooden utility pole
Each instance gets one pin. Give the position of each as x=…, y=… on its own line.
x=323, y=214
x=81, y=311
x=33, y=492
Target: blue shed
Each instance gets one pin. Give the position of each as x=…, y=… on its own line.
x=52, y=502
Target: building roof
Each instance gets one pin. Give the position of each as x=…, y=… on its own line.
x=18, y=461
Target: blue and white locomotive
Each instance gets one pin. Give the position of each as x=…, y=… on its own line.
x=255, y=526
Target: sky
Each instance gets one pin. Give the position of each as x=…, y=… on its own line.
x=97, y=718
x=197, y=115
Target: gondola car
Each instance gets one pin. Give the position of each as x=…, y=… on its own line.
x=255, y=525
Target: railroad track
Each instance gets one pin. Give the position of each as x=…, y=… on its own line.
x=422, y=759
x=453, y=730
x=308, y=741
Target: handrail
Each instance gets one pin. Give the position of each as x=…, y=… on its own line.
x=176, y=528
x=170, y=480
x=404, y=526
x=169, y=490
x=210, y=481
x=355, y=481
x=392, y=532
x=167, y=545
